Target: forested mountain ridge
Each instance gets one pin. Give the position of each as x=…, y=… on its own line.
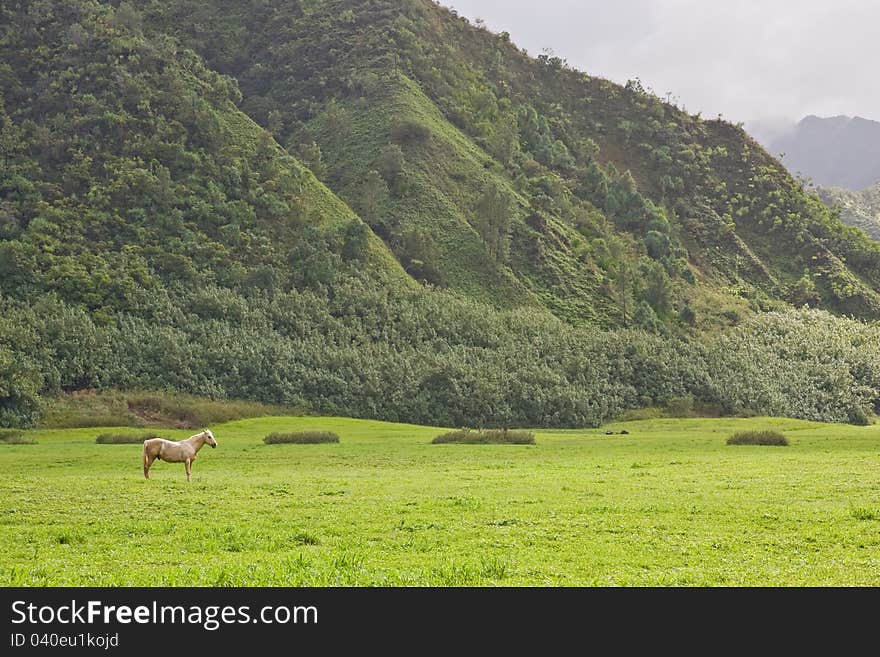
x=604, y=185
x=512, y=180
x=242, y=199
x=128, y=166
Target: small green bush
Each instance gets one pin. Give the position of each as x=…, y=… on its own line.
x=483, y=437
x=302, y=438
x=858, y=416
x=410, y=132
x=13, y=437
x=758, y=438
x=124, y=438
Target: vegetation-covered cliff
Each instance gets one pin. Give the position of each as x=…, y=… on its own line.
x=377, y=209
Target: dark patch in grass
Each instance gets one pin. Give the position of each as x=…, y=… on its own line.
x=67, y=538
x=485, y=437
x=861, y=513
x=13, y=437
x=494, y=569
x=504, y=522
x=302, y=438
x=124, y=438
x=304, y=538
x=773, y=438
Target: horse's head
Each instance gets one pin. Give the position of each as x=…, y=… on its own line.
x=209, y=438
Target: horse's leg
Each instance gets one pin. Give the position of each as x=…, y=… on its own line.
x=147, y=463
x=188, y=464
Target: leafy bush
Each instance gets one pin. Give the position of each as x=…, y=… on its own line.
x=15, y=438
x=19, y=389
x=758, y=438
x=410, y=132
x=858, y=416
x=486, y=436
x=302, y=438
x=124, y=438
x=682, y=406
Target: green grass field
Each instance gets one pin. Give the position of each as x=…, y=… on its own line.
x=669, y=504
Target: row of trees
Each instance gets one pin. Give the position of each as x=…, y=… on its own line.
x=429, y=357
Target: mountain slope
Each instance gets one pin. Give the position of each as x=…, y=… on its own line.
x=608, y=187
x=860, y=209
x=128, y=168
x=241, y=199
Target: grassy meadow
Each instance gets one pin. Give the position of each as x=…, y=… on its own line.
x=667, y=504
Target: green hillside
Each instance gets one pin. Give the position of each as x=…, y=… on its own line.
x=375, y=209
x=128, y=168
x=615, y=200
x=860, y=209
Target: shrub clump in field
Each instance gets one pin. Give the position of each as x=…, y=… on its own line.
x=486, y=436
x=124, y=438
x=13, y=437
x=758, y=438
x=302, y=438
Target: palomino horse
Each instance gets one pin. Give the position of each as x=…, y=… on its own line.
x=183, y=451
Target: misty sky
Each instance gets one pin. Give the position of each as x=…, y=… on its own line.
x=745, y=59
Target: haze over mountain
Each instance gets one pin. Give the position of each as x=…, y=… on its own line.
x=745, y=60
x=379, y=209
x=837, y=151
x=768, y=129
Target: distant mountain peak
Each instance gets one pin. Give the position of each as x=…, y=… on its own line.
x=835, y=151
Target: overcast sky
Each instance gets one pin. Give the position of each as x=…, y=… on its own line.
x=744, y=59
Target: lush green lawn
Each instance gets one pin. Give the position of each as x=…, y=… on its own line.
x=668, y=504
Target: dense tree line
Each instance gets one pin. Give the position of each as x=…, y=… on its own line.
x=431, y=357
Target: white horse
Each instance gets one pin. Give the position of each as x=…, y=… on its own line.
x=183, y=451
